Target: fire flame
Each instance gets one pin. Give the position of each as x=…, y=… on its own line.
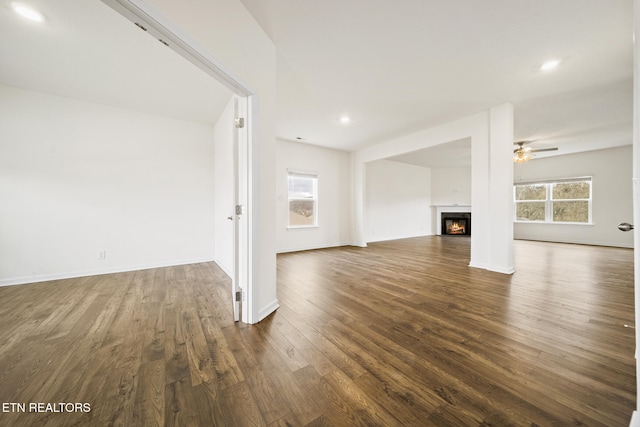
x=456, y=228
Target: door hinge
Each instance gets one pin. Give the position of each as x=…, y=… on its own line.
x=239, y=122
x=239, y=210
x=239, y=296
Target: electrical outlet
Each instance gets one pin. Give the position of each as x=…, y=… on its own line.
x=102, y=254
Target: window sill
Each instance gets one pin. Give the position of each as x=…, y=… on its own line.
x=301, y=227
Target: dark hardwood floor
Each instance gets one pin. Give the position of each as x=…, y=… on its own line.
x=401, y=333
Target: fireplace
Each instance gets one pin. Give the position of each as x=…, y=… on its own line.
x=456, y=223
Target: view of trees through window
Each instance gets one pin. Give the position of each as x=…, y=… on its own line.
x=531, y=202
x=563, y=201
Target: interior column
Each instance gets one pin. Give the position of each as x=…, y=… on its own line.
x=501, y=188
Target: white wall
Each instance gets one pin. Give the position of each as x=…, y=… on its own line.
x=451, y=186
x=398, y=199
x=612, y=191
x=77, y=178
x=334, y=196
x=223, y=190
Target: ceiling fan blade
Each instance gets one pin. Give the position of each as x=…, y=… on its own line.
x=543, y=149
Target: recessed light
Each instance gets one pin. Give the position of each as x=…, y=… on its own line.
x=27, y=12
x=345, y=119
x=550, y=65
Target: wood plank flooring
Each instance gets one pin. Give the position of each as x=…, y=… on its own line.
x=402, y=333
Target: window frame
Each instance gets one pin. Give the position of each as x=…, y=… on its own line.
x=302, y=174
x=548, y=202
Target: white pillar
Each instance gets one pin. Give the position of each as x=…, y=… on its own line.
x=480, y=202
x=492, y=192
x=501, y=188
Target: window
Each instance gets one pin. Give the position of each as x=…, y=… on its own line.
x=303, y=199
x=560, y=201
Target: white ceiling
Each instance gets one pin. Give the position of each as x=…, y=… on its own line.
x=87, y=51
x=396, y=67
x=449, y=155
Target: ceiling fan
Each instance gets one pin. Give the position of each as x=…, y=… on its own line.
x=523, y=154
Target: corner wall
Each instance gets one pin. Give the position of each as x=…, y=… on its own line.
x=334, y=199
x=78, y=178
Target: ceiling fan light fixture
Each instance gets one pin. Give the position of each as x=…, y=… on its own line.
x=27, y=12
x=521, y=156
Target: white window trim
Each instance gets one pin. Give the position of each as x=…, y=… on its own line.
x=548, y=203
x=309, y=174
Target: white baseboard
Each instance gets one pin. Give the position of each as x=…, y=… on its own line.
x=579, y=242
x=267, y=310
x=311, y=248
x=387, y=239
x=219, y=264
x=479, y=265
x=494, y=268
x=503, y=270
x=95, y=272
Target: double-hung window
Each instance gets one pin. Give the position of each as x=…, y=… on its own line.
x=557, y=201
x=303, y=199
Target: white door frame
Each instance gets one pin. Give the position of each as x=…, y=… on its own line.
x=241, y=224
x=635, y=419
x=158, y=26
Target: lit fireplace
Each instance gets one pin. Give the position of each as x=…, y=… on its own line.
x=456, y=223
x=455, y=227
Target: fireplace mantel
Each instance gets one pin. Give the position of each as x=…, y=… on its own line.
x=447, y=208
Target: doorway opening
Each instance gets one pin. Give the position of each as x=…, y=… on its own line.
x=150, y=20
